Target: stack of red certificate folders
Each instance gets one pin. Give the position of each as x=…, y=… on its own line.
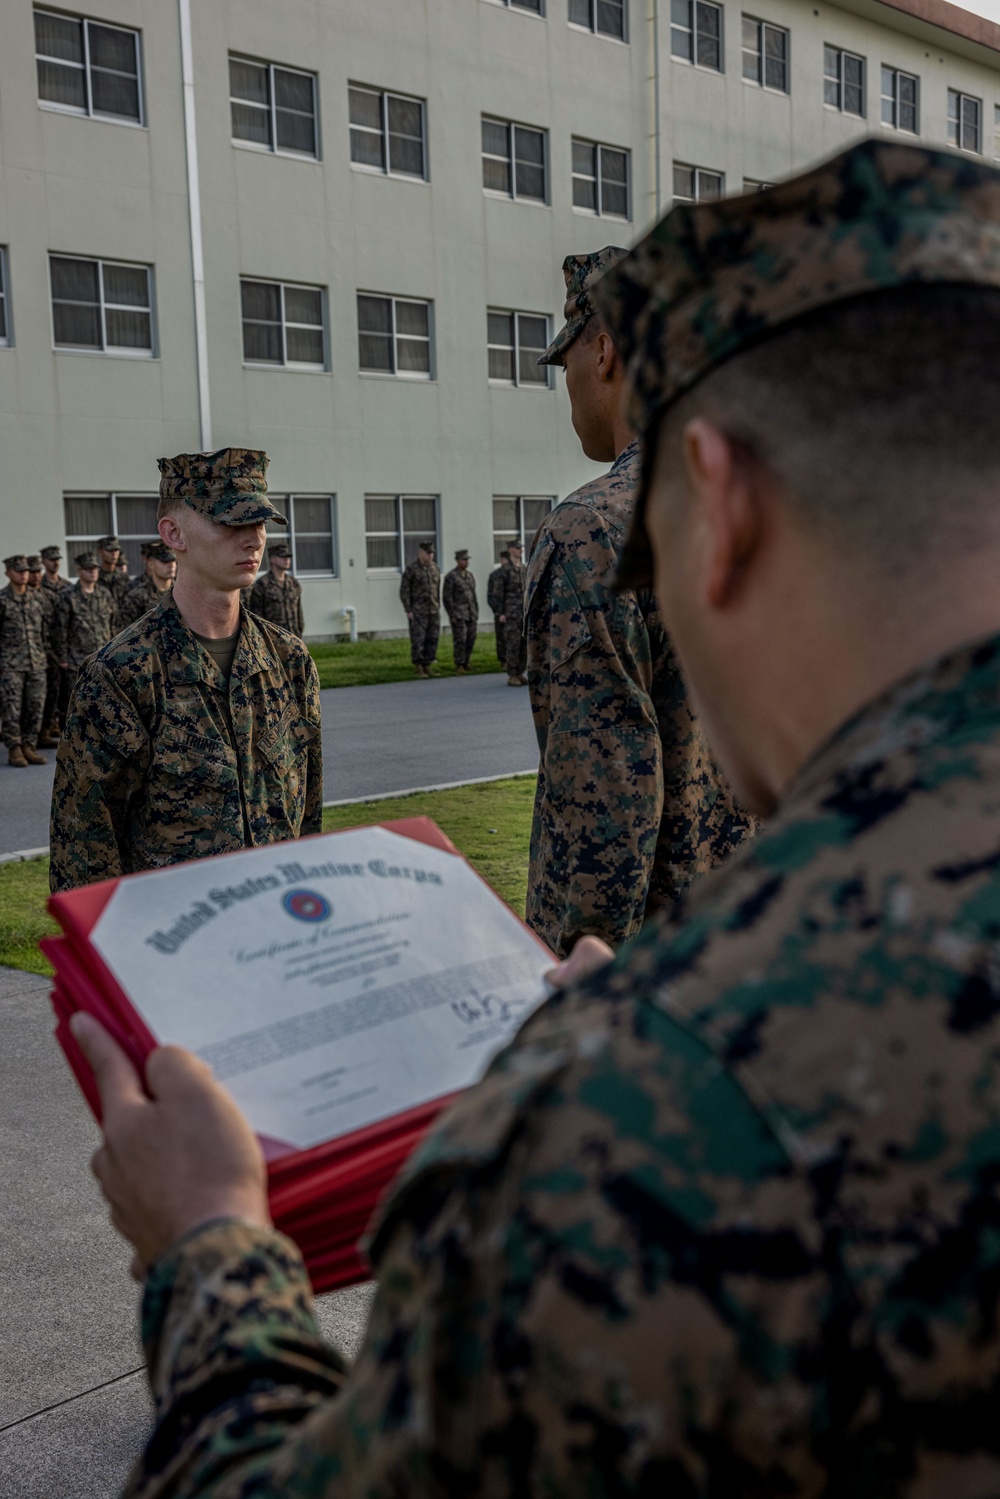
x=324, y=1197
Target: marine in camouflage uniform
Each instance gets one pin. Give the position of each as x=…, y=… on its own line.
x=462, y=609
x=277, y=596
x=57, y=683
x=420, y=596
x=629, y=807
x=82, y=622
x=23, y=634
x=493, y=600
x=145, y=594
x=510, y=596
x=162, y=758
x=111, y=576
x=723, y=1219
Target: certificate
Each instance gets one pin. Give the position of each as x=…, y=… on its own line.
x=329, y=983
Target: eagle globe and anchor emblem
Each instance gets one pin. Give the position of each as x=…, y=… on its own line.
x=306, y=905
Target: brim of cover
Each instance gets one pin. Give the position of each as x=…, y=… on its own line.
x=557, y=348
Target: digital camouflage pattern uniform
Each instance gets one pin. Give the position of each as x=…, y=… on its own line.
x=161, y=760
x=23, y=644
x=116, y=582
x=57, y=681
x=420, y=595
x=141, y=597
x=81, y=624
x=493, y=600
x=280, y=602
x=629, y=806
x=723, y=1219
x=510, y=595
x=462, y=609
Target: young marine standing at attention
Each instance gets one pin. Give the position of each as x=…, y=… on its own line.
x=197, y=730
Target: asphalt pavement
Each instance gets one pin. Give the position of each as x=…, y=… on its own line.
x=376, y=740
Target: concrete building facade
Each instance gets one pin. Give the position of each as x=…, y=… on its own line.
x=333, y=229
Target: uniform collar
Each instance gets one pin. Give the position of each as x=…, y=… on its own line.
x=627, y=456
x=188, y=661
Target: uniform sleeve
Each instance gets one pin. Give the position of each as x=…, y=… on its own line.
x=101, y=764
x=312, y=817
x=406, y=590
x=600, y=790
x=300, y=622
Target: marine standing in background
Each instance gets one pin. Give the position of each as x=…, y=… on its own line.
x=277, y=596
x=420, y=595
x=36, y=573
x=84, y=618
x=629, y=806
x=493, y=585
x=161, y=569
x=56, y=685
x=462, y=609
x=111, y=577
x=510, y=596
x=22, y=664
x=196, y=731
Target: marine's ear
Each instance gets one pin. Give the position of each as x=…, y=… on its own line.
x=721, y=480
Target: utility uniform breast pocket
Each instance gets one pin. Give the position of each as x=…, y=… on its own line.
x=282, y=763
x=192, y=795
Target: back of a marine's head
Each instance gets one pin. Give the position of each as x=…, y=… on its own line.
x=814, y=372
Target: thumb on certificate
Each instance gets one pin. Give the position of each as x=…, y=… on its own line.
x=117, y=1080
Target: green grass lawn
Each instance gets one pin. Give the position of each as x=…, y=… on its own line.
x=373, y=661
x=490, y=822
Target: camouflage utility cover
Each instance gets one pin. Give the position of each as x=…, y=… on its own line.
x=629, y=805
x=713, y=278
x=580, y=272
x=723, y=1220
x=278, y=600
x=228, y=486
x=161, y=761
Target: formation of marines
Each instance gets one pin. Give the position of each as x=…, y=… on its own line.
x=723, y=1217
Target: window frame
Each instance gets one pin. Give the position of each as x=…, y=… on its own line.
x=523, y=537
x=763, y=27
x=77, y=543
x=511, y=126
x=525, y=7
x=699, y=172
x=400, y=533
x=962, y=98
x=88, y=112
x=692, y=31
x=517, y=383
x=396, y=373
x=384, y=95
x=7, y=330
x=112, y=351
x=297, y=366
x=272, y=109
x=600, y=147
x=756, y=185
x=291, y=532
x=594, y=30
x=893, y=99
x=840, y=108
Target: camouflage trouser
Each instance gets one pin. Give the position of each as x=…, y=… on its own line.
x=498, y=631
x=424, y=632
x=515, y=647
x=463, y=638
x=22, y=698
x=56, y=696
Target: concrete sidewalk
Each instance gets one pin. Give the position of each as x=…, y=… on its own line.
x=74, y=1408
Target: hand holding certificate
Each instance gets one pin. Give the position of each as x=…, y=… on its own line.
x=341, y=987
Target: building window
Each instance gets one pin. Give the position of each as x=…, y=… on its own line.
x=964, y=121
x=311, y=532
x=696, y=32
x=516, y=517
x=130, y=517
x=755, y=185
x=515, y=341
x=535, y=6
x=272, y=108
x=899, y=100
x=696, y=184
x=765, y=54
x=844, y=81
x=395, y=524
x=605, y=17
x=394, y=336
x=387, y=132
x=514, y=160
x=283, y=325
x=600, y=179
x=101, y=305
x=88, y=67
x=5, y=338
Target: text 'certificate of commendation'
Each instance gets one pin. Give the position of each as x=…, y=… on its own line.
x=329, y=984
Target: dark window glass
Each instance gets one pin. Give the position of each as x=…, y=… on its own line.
x=854, y=79
x=375, y=346
x=611, y=18
x=533, y=337
x=682, y=29
x=709, y=24
x=529, y=163
x=496, y=156
x=367, y=141
x=776, y=58
x=294, y=112
x=581, y=13
x=262, y=341
x=614, y=182
x=406, y=136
